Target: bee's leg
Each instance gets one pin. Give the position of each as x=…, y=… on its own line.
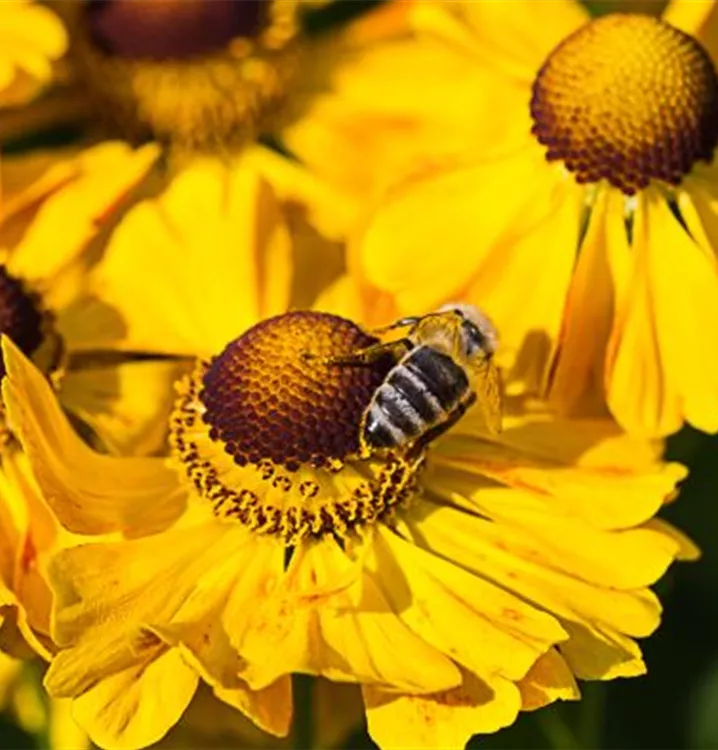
x=401, y=323
x=364, y=356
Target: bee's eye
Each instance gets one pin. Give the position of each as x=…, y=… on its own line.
x=474, y=339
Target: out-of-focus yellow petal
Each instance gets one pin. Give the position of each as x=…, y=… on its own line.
x=138, y=705
x=217, y=239
x=548, y=680
x=446, y=720
x=127, y=404
x=507, y=636
x=506, y=33
x=90, y=493
x=63, y=731
x=68, y=219
x=31, y=38
x=322, y=620
x=429, y=237
x=699, y=18
x=366, y=116
x=662, y=365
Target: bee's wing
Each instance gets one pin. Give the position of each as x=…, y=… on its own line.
x=489, y=393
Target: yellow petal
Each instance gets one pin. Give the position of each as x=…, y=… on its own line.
x=549, y=680
x=270, y=708
x=70, y=218
x=597, y=653
x=515, y=561
x=663, y=365
x=127, y=405
x=441, y=720
x=111, y=590
x=137, y=706
x=588, y=315
x=90, y=493
x=485, y=629
x=321, y=620
x=603, y=495
x=699, y=18
x=217, y=240
x=431, y=235
x=64, y=732
x=624, y=559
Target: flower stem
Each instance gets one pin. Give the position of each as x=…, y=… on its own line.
x=302, y=729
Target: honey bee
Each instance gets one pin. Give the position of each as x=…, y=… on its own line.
x=445, y=364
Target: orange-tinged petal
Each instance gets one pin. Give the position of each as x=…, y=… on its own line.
x=270, y=708
x=440, y=720
x=548, y=680
x=127, y=405
x=485, y=629
x=323, y=620
x=211, y=236
x=91, y=493
x=137, y=706
x=588, y=316
x=431, y=235
x=663, y=361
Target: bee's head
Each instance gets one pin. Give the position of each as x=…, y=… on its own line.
x=479, y=333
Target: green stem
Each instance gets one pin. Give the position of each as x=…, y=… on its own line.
x=590, y=723
x=557, y=731
x=302, y=729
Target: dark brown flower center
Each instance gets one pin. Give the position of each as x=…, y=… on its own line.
x=21, y=318
x=270, y=436
x=265, y=400
x=627, y=98
x=172, y=29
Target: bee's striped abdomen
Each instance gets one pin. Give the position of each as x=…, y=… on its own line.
x=423, y=390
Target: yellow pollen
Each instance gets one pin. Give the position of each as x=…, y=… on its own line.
x=270, y=436
x=627, y=98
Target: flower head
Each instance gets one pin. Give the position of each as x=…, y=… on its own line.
x=461, y=584
x=581, y=217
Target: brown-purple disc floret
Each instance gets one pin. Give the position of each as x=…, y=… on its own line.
x=20, y=316
x=172, y=29
x=627, y=98
x=265, y=399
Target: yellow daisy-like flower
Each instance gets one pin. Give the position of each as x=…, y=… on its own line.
x=583, y=218
x=31, y=39
x=457, y=586
x=202, y=75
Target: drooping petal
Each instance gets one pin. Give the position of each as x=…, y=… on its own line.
x=549, y=680
x=485, y=629
x=699, y=18
x=137, y=706
x=127, y=405
x=217, y=239
x=322, y=619
x=91, y=493
x=440, y=720
x=662, y=366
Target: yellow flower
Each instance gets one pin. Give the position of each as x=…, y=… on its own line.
x=456, y=587
x=583, y=216
x=31, y=39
